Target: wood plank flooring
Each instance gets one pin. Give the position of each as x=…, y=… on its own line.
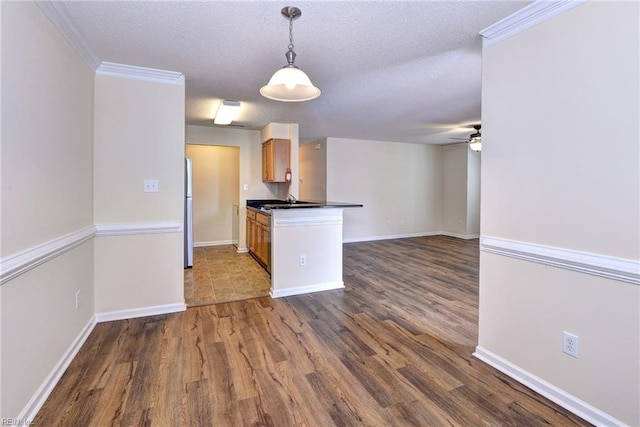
x=391, y=349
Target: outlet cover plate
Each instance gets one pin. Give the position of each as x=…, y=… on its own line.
x=570, y=344
x=151, y=186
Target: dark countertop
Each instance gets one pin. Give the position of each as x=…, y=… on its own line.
x=268, y=204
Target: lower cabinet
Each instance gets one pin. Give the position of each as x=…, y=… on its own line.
x=259, y=237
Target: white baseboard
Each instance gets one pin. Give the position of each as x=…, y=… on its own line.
x=37, y=400
x=242, y=250
x=140, y=312
x=548, y=390
x=389, y=237
x=460, y=236
x=212, y=243
x=408, y=235
x=307, y=289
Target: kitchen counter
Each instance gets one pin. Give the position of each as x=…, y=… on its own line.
x=268, y=204
x=305, y=244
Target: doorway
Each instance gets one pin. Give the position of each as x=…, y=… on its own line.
x=219, y=273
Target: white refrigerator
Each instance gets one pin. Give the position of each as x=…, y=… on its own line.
x=188, y=214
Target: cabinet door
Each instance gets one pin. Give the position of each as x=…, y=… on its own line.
x=259, y=242
x=250, y=234
x=265, y=245
x=275, y=159
x=267, y=161
x=281, y=159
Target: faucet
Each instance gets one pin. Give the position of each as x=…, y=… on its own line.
x=291, y=199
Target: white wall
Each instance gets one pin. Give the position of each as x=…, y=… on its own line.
x=46, y=132
x=47, y=193
x=473, y=192
x=313, y=171
x=139, y=134
x=454, y=189
x=460, y=191
x=400, y=186
x=560, y=168
x=314, y=233
x=216, y=188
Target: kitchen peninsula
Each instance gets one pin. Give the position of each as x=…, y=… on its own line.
x=303, y=243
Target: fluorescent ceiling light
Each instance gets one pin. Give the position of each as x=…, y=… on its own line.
x=227, y=112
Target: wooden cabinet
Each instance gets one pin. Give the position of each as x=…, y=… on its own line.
x=259, y=237
x=275, y=159
x=263, y=240
x=251, y=230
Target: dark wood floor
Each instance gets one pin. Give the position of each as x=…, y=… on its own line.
x=393, y=348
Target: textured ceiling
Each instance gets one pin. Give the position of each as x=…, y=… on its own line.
x=388, y=70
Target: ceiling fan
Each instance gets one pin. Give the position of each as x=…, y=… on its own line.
x=474, y=140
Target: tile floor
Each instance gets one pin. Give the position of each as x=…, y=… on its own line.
x=220, y=274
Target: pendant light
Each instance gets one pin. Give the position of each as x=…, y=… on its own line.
x=290, y=83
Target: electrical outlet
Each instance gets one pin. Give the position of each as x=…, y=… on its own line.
x=77, y=300
x=151, y=186
x=303, y=260
x=570, y=344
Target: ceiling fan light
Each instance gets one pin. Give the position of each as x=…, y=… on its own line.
x=290, y=84
x=476, y=145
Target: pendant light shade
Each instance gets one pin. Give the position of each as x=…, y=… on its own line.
x=290, y=83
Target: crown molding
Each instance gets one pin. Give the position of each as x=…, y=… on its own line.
x=58, y=16
x=527, y=17
x=124, y=71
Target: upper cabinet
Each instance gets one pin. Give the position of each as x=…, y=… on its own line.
x=275, y=159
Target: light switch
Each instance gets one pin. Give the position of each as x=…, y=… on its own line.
x=151, y=186
x=245, y=187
